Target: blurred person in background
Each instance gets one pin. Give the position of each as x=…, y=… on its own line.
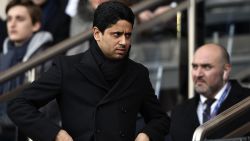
x=24, y=38
x=54, y=19
x=82, y=14
x=215, y=93
x=24, y=41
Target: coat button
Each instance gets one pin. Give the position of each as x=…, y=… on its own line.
x=122, y=134
x=124, y=110
x=99, y=108
x=98, y=131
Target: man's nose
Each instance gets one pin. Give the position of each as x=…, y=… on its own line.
x=12, y=23
x=200, y=72
x=123, y=40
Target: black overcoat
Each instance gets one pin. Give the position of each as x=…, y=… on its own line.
x=89, y=108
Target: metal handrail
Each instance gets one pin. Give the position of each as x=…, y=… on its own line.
x=221, y=119
x=164, y=17
x=13, y=93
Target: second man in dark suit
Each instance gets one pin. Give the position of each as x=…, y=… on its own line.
x=211, y=70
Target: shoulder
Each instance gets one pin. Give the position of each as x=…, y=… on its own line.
x=138, y=66
x=238, y=88
x=69, y=61
x=40, y=38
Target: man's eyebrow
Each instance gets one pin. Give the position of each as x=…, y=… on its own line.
x=114, y=32
x=205, y=64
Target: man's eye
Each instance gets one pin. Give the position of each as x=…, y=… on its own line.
x=207, y=67
x=117, y=34
x=20, y=18
x=127, y=35
x=194, y=66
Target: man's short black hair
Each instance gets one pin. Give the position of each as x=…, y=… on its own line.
x=108, y=13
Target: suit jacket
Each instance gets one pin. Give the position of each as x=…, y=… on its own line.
x=184, y=118
x=89, y=108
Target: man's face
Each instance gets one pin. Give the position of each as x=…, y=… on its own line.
x=19, y=24
x=208, y=70
x=116, y=40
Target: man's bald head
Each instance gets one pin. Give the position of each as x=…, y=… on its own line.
x=216, y=49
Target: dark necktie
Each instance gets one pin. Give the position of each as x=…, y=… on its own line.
x=207, y=111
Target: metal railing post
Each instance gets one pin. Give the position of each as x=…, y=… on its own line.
x=191, y=44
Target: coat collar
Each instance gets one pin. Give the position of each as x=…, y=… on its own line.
x=90, y=70
x=193, y=111
x=124, y=82
x=235, y=95
x=36, y=42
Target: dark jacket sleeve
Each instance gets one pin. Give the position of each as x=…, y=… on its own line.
x=157, y=121
x=24, y=109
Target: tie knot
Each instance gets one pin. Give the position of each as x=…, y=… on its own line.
x=210, y=101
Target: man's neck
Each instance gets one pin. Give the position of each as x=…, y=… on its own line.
x=216, y=94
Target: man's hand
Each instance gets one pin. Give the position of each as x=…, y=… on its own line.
x=63, y=136
x=145, y=16
x=142, y=137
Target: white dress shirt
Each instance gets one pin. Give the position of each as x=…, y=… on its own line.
x=201, y=106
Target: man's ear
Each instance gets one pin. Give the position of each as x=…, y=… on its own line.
x=96, y=33
x=36, y=27
x=227, y=70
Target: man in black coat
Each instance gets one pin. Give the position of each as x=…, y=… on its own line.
x=99, y=92
x=211, y=69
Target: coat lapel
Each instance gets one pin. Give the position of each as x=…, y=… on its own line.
x=235, y=95
x=119, y=88
x=90, y=70
x=194, y=121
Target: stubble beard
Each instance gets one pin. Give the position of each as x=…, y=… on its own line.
x=203, y=90
x=207, y=91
